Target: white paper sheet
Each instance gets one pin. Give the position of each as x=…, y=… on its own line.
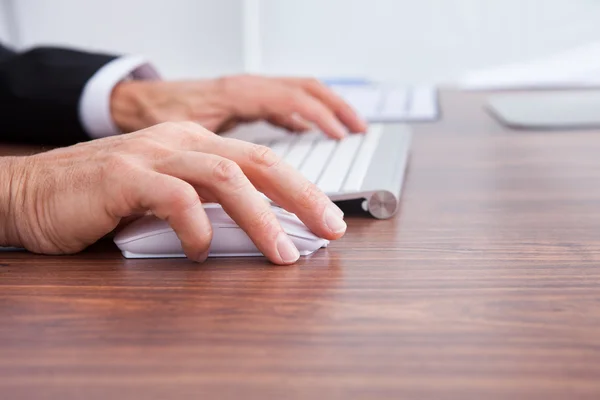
x=387, y=103
x=572, y=68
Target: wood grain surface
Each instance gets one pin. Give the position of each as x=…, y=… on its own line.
x=485, y=286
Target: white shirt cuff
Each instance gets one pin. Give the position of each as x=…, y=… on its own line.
x=94, y=104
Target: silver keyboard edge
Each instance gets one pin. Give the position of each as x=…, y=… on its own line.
x=385, y=177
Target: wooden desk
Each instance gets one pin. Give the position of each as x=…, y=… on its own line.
x=485, y=286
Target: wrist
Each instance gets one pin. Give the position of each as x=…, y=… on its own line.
x=127, y=106
x=10, y=185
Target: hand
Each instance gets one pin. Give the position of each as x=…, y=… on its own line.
x=220, y=104
x=62, y=201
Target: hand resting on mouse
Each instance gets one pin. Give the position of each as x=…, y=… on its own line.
x=151, y=237
x=61, y=201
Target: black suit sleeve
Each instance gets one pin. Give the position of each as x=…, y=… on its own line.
x=40, y=91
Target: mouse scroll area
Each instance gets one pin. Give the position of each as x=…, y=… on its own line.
x=150, y=237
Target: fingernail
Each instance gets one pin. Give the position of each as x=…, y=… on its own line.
x=287, y=251
x=365, y=126
x=333, y=220
x=338, y=210
x=202, y=257
x=340, y=129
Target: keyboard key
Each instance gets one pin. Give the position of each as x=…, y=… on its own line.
x=361, y=163
x=300, y=149
x=333, y=177
x=313, y=166
x=424, y=104
x=281, y=146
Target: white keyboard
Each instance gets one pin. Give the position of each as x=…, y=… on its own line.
x=369, y=167
x=334, y=166
x=386, y=103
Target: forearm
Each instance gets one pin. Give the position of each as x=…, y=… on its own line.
x=8, y=186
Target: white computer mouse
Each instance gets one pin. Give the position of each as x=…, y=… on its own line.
x=150, y=237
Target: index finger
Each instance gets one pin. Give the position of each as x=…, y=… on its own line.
x=225, y=181
x=347, y=115
x=282, y=184
x=296, y=100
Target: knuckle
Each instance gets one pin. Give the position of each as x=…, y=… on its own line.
x=116, y=172
x=293, y=97
x=181, y=128
x=144, y=142
x=244, y=77
x=228, y=84
x=309, y=196
x=263, y=156
x=115, y=163
x=263, y=221
x=169, y=126
x=183, y=197
x=156, y=132
x=233, y=84
x=227, y=171
x=313, y=83
x=298, y=101
x=190, y=127
x=173, y=128
x=146, y=147
x=191, y=132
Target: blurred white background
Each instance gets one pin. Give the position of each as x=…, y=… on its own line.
x=394, y=40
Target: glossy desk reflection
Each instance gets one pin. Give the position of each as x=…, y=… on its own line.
x=486, y=285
